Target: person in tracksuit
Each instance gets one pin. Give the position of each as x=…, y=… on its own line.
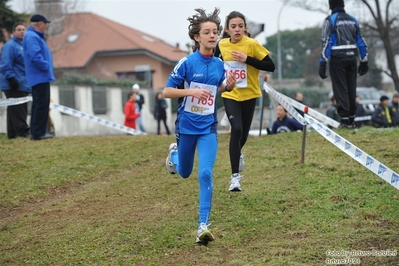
x=203, y=76
x=342, y=44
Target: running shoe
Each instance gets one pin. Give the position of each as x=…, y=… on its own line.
x=169, y=164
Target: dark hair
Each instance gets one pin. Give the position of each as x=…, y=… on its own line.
x=336, y=3
x=236, y=14
x=196, y=21
x=158, y=93
x=225, y=35
x=14, y=27
x=285, y=110
x=130, y=94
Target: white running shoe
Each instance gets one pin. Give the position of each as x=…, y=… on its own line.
x=242, y=163
x=204, y=235
x=235, y=182
x=169, y=164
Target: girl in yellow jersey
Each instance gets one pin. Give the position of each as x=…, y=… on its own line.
x=243, y=57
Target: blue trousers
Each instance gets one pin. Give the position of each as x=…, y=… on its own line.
x=207, y=146
x=40, y=109
x=139, y=119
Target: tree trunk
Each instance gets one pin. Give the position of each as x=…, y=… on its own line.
x=384, y=32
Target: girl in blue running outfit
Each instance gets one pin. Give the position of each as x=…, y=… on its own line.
x=202, y=76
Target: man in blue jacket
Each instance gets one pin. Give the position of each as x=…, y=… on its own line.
x=342, y=45
x=13, y=82
x=39, y=73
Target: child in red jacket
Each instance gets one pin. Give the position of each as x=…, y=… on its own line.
x=130, y=110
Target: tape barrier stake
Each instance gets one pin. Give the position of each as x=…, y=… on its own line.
x=95, y=119
x=355, y=153
x=261, y=113
x=305, y=128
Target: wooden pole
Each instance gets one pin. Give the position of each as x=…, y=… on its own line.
x=261, y=108
x=304, y=129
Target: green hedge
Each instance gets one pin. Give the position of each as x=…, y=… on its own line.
x=72, y=78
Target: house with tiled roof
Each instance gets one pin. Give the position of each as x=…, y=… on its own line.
x=91, y=44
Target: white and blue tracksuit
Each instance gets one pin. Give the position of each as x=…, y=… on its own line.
x=342, y=45
x=196, y=123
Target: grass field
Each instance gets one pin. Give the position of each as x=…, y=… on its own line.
x=110, y=201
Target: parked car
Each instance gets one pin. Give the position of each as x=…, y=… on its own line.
x=369, y=98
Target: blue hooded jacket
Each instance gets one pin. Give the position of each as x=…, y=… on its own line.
x=12, y=65
x=38, y=58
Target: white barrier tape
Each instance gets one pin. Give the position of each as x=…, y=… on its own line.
x=354, y=152
x=282, y=100
x=323, y=118
x=15, y=101
x=363, y=118
x=319, y=116
x=92, y=118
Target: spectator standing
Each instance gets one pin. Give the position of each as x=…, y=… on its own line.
x=39, y=73
x=131, y=110
x=284, y=123
x=196, y=122
x=360, y=113
x=13, y=82
x=160, y=112
x=395, y=108
x=342, y=43
x=139, y=106
x=244, y=57
x=382, y=116
x=332, y=110
x=299, y=99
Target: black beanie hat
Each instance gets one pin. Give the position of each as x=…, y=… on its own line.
x=336, y=3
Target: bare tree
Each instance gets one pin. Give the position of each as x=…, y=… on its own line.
x=55, y=10
x=382, y=18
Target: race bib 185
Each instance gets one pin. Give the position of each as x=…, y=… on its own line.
x=201, y=107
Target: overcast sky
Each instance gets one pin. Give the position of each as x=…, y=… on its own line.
x=167, y=19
